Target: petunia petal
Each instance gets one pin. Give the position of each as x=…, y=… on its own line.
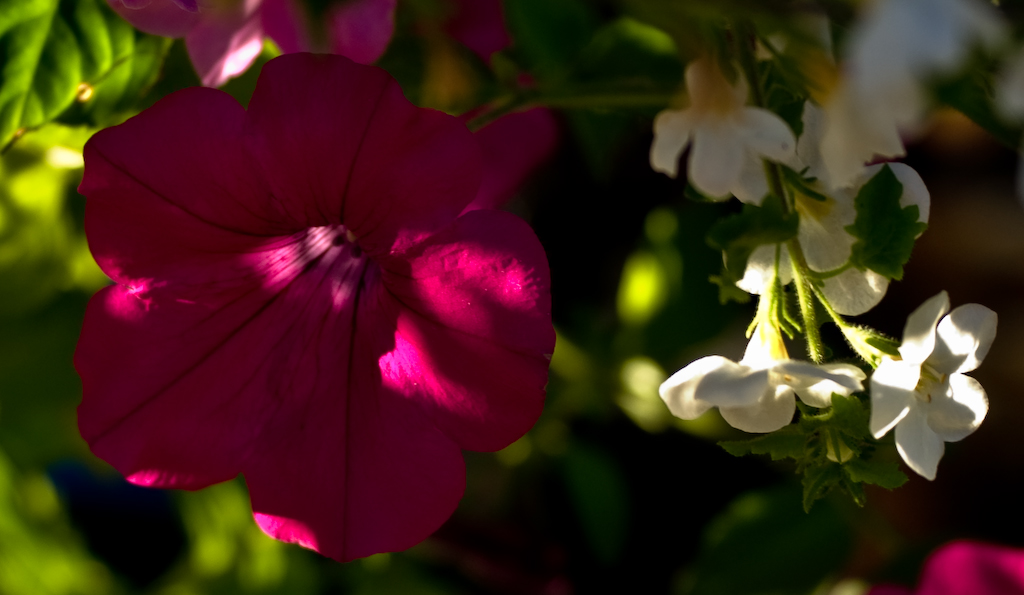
x=513, y=146
x=226, y=42
x=854, y=292
x=480, y=26
x=919, y=334
x=180, y=379
x=474, y=332
x=956, y=415
x=679, y=391
x=972, y=567
x=716, y=159
x=772, y=411
x=892, y=394
x=355, y=468
x=362, y=29
x=964, y=338
x=177, y=208
x=920, y=447
x=158, y=17
x=391, y=172
x=672, y=131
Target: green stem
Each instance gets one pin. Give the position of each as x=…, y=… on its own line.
x=571, y=99
x=805, y=296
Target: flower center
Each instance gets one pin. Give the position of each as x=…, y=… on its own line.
x=931, y=383
x=815, y=209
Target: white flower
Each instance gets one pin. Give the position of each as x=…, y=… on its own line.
x=756, y=394
x=893, y=51
x=926, y=395
x=727, y=138
x=827, y=245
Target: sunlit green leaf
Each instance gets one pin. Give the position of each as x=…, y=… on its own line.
x=885, y=231
x=59, y=52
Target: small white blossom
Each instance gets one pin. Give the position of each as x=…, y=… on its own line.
x=893, y=50
x=925, y=393
x=827, y=245
x=727, y=138
x=756, y=394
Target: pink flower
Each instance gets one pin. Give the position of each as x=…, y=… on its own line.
x=968, y=568
x=480, y=26
x=297, y=300
x=513, y=146
x=223, y=37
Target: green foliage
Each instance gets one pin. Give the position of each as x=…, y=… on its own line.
x=57, y=52
x=549, y=34
x=738, y=235
x=780, y=549
x=885, y=231
x=598, y=492
x=788, y=443
x=39, y=552
x=831, y=447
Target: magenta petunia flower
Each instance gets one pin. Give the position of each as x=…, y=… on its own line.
x=968, y=568
x=298, y=300
x=223, y=37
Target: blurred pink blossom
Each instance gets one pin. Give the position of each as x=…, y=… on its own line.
x=298, y=300
x=967, y=568
x=224, y=37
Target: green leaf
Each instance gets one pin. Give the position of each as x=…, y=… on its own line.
x=818, y=481
x=57, y=51
x=628, y=50
x=885, y=230
x=738, y=235
x=788, y=443
x=549, y=34
x=884, y=344
x=881, y=473
x=766, y=531
x=850, y=415
x=971, y=94
x=598, y=492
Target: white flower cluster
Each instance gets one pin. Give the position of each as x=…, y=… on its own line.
x=872, y=95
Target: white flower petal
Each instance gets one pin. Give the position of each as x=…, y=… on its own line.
x=958, y=413
x=964, y=338
x=678, y=391
x=914, y=190
x=760, y=268
x=822, y=235
x=732, y=385
x=920, y=447
x=774, y=410
x=716, y=158
x=752, y=184
x=850, y=380
x=854, y=292
x=919, y=333
x=892, y=394
x=808, y=146
x=856, y=130
x=672, y=130
x=767, y=134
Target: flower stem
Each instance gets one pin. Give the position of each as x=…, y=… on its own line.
x=805, y=296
